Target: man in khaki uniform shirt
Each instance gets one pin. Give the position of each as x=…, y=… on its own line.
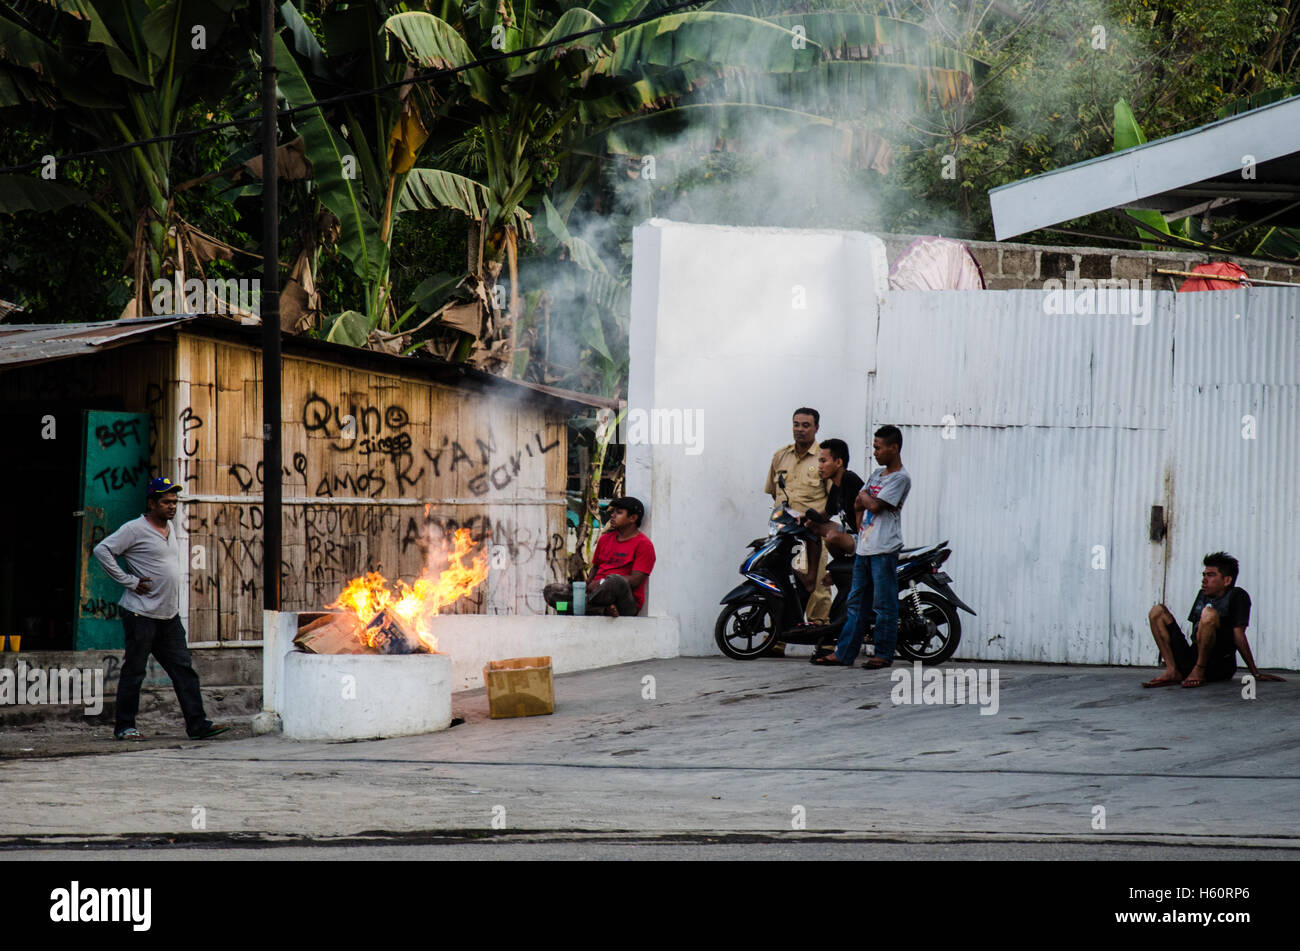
x=804, y=489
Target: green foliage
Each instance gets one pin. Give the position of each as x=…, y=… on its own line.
x=720, y=96
x=1049, y=96
x=89, y=74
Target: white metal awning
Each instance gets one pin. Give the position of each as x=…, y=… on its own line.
x=1245, y=167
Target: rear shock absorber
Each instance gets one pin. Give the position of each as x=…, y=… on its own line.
x=914, y=595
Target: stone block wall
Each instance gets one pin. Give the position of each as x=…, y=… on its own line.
x=1007, y=265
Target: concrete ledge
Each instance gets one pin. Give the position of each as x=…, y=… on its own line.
x=572, y=643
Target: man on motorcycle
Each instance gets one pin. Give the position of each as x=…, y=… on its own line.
x=845, y=484
x=875, y=576
x=793, y=479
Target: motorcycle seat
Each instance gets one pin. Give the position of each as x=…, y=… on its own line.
x=919, y=550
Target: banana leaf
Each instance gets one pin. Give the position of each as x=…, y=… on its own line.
x=349, y=327
x=25, y=193
x=359, y=237
x=99, y=34
x=39, y=73
x=167, y=35
x=574, y=20
x=719, y=38
x=1281, y=243
x=304, y=40
x=428, y=189
x=1128, y=134
x=434, y=44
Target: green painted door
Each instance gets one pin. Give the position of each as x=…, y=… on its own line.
x=114, y=474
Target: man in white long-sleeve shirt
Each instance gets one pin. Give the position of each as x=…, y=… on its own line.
x=151, y=611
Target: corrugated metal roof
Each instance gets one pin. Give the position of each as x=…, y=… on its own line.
x=1173, y=174
x=26, y=344
x=23, y=344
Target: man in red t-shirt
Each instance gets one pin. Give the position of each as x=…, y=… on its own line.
x=622, y=563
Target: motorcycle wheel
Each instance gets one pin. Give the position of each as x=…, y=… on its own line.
x=932, y=635
x=745, y=629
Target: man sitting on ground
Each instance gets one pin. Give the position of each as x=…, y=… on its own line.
x=620, y=567
x=1219, y=619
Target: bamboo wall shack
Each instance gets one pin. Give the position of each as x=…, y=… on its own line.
x=378, y=450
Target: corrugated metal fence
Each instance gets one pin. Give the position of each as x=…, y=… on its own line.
x=1039, y=443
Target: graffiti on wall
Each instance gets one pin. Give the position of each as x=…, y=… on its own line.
x=379, y=436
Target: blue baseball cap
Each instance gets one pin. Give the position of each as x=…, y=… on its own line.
x=161, y=486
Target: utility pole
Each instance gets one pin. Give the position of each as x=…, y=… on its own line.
x=271, y=443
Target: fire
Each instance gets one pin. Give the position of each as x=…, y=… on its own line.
x=414, y=605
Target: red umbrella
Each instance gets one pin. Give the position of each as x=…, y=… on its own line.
x=1221, y=268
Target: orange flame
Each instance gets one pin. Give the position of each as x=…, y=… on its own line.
x=414, y=605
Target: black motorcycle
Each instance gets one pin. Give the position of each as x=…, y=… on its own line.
x=769, y=605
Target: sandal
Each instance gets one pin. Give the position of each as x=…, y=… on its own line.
x=875, y=663
x=827, y=660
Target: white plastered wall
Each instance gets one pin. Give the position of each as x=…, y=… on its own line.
x=740, y=326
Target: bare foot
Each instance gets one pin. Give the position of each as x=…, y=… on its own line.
x=1193, y=679
x=611, y=611
x=1167, y=679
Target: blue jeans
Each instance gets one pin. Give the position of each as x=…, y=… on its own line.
x=875, y=582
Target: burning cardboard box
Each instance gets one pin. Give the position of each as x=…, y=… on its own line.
x=345, y=634
x=329, y=634
x=379, y=616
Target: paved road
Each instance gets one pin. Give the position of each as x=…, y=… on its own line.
x=725, y=746
x=603, y=848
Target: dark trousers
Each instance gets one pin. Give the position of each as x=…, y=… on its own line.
x=613, y=589
x=166, y=641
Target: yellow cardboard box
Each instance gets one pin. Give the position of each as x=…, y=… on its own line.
x=519, y=687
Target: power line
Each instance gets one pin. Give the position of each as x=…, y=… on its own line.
x=424, y=76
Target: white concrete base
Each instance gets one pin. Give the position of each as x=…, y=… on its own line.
x=364, y=696
x=572, y=643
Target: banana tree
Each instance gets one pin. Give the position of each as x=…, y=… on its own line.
x=98, y=73
x=870, y=69
x=363, y=154
x=528, y=112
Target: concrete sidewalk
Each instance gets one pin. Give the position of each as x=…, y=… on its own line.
x=774, y=746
